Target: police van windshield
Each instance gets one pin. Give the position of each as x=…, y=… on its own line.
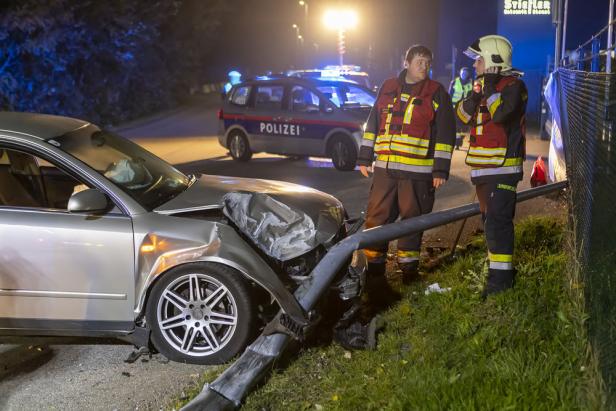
x=348, y=96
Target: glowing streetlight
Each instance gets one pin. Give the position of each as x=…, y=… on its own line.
x=340, y=20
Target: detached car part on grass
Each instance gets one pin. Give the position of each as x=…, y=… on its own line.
x=229, y=390
x=98, y=237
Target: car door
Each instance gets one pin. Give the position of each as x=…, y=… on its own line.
x=308, y=120
x=60, y=272
x=271, y=128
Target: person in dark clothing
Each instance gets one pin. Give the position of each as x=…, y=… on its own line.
x=496, y=112
x=411, y=131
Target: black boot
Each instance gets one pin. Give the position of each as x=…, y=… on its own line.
x=379, y=292
x=498, y=281
x=410, y=272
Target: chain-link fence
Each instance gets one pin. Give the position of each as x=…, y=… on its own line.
x=588, y=111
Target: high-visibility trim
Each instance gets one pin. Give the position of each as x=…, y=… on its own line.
x=405, y=138
x=409, y=149
x=427, y=169
x=501, y=266
x=374, y=256
x=365, y=142
x=513, y=161
x=479, y=127
x=388, y=118
x=494, y=101
x=369, y=136
x=443, y=147
x=480, y=172
x=506, y=187
x=407, y=256
x=485, y=151
x=404, y=97
x=393, y=158
x=404, y=253
x=442, y=154
x=497, y=161
x=464, y=116
x=501, y=258
x=434, y=105
x=382, y=138
x=408, y=114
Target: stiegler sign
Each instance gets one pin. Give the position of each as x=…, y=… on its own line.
x=527, y=7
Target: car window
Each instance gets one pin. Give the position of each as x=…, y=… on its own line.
x=303, y=100
x=139, y=173
x=240, y=95
x=269, y=97
x=348, y=95
x=30, y=181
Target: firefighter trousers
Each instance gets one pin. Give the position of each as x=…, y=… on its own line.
x=393, y=196
x=497, y=201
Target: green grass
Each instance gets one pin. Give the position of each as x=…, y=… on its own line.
x=522, y=349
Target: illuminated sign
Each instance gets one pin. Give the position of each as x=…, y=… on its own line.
x=527, y=7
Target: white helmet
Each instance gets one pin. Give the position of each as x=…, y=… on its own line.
x=495, y=50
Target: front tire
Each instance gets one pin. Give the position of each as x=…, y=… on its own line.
x=201, y=314
x=238, y=146
x=343, y=153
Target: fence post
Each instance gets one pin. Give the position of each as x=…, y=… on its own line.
x=581, y=57
x=595, y=64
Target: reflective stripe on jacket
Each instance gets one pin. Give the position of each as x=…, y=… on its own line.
x=460, y=91
x=403, y=133
x=498, y=132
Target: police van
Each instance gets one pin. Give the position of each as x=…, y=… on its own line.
x=295, y=117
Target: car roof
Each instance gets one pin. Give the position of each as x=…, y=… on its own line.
x=43, y=126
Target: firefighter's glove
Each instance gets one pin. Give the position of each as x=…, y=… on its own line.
x=489, y=83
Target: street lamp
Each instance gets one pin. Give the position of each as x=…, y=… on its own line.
x=340, y=20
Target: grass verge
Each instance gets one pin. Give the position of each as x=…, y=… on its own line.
x=522, y=349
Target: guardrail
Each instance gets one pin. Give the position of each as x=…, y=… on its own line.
x=237, y=381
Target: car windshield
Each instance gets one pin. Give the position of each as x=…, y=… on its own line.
x=145, y=177
x=347, y=95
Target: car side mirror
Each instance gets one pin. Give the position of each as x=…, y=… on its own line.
x=90, y=200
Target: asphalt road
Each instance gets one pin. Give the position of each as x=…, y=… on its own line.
x=50, y=374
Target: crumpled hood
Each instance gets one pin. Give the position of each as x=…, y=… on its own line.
x=284, y=220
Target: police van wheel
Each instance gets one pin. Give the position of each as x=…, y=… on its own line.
x=343, y=153
x=238, y=146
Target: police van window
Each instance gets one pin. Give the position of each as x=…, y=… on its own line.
x=269, y=97
x=303, y=100
x=240, y=96
x=348, y=96
x=356, y=95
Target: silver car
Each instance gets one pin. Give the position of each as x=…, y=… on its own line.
x=98, y=237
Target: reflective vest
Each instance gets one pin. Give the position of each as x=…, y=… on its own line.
x=460, y=91
x=403, y=138
x=489, y=143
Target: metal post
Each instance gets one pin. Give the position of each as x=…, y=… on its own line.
x=610, y=44
x=595, y=63
x=581, y=58
x=558, y=22
x=564, y=36
x=454, y=55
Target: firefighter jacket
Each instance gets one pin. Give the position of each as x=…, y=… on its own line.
x=411, y=130
x=497, y=118
x=460, y=91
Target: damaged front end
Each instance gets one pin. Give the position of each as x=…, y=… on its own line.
x=294, y=234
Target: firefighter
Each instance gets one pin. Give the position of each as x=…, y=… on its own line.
x=411, y=130
x=496, y=111
x=459, y=89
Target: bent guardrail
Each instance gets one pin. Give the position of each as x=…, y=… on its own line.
x=230, y=388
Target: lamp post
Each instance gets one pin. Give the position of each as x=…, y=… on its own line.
x=340, y=20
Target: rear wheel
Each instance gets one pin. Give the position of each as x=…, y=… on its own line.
x=343, y=153
x=238, y=146
x=201, y=314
